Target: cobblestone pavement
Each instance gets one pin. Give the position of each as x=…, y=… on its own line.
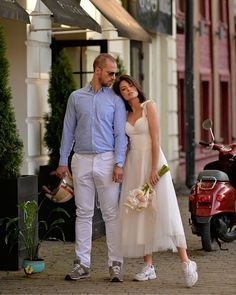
x=216, y=271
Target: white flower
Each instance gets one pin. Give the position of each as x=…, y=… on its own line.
x=141, y=197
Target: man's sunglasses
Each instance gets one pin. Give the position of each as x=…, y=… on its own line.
x=111, y=74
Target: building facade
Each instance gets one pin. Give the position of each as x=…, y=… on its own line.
x=148, y=51
x=149, y=37
x=214, y=76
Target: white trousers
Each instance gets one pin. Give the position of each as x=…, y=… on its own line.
x=93, y=172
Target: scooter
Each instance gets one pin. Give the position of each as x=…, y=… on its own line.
x=212, y=200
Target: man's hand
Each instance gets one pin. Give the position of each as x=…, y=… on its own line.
x=117, y=174
x=62, y=171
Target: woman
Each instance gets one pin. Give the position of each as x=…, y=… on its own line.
x=159, y=226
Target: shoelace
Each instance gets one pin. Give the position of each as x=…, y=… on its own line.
x=146, y=269
x=77, y=267
x=116, y=269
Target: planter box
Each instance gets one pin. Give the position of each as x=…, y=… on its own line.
x=15, y=191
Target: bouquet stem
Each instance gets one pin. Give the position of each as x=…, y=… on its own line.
x=163, y=170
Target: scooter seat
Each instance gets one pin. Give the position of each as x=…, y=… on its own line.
x=209, y=174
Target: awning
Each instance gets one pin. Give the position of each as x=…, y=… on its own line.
x=125, y=24
x=69, y=12
x=10, y=9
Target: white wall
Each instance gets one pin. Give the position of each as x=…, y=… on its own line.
x=29, y=56
x=161, y=81
x=37, y=80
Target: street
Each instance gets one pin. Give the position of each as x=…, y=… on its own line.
x=216, y=271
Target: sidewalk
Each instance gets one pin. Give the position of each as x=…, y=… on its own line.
x=217, y=273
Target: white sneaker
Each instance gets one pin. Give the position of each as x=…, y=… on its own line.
x=190, y=273
x=147, y=273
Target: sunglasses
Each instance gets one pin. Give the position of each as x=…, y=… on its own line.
x=111, y=74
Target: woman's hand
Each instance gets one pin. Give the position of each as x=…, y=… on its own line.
x=154, y=177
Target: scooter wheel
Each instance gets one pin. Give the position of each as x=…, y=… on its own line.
x=208, y=238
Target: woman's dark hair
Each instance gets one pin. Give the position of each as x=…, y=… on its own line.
x=130, y=80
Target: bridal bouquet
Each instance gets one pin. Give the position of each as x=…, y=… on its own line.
x=141, y=197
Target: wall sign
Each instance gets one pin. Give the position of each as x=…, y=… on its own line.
x=155, y=15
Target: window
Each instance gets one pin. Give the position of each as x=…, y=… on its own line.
x=180, y=8
x=225, y=113
x=136, y=58
x=181, y=116
x=81, y=54
x=204, y=9
x=180, y=4
x=223, y=12
x=206, y=107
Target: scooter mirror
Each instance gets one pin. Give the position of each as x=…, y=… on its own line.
x=207, y=124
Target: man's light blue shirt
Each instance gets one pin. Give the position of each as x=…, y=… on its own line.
x=95, y=123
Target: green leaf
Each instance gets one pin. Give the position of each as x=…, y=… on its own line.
x=59, y=209
x=10, y=222
x=29, y=225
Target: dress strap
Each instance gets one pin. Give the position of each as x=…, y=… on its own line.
x=144, y=104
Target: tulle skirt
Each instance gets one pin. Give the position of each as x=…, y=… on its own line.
x=158, y=227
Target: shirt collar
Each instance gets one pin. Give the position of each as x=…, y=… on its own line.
x=90, y=88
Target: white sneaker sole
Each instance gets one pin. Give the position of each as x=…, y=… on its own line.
x=152, y=277
x=71, y=278
x=193, y=282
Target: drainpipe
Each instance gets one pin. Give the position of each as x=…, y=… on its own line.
x=189, y=97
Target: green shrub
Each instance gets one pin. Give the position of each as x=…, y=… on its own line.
x=11, y=146
x=120, y=66
x=61, y=84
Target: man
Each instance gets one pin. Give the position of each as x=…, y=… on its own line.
x=95, y=122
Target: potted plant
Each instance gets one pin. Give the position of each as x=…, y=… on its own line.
x=24, y=229
x=14, y=186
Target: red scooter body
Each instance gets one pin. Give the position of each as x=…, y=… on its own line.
x=212, y=200
x=209, y=198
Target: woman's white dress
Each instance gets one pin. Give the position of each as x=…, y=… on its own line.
x=158, y=227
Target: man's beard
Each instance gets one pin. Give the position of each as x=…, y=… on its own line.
x=106, y=84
